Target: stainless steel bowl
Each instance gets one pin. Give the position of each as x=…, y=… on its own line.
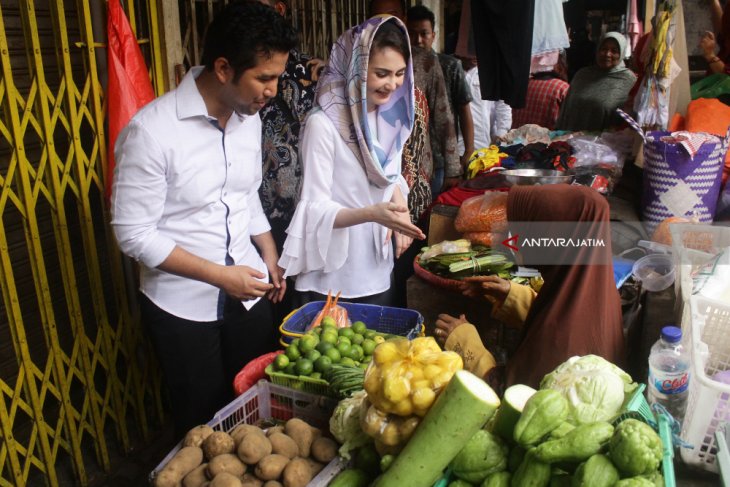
x=531, y=177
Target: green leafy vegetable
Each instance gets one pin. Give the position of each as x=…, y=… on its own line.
x=345, y=423
x=595, y=388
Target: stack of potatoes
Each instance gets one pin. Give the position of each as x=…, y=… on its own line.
x=282, y=456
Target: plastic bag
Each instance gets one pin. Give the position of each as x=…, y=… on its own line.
x=599, y=160
x=713, y=279
x=711, y=86
x=389, y=429
x=662, y=233
x=488, y=239
x=331, y=310
x=484, y=213
x=405, y=377
x=253, y=372
x=446, y=247
x=592, y=150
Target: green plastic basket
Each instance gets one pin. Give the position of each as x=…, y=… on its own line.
x=300, y=382
x=444, y=480
x=637, y=407
x=639, y=404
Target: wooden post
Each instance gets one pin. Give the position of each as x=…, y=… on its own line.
x=649, y=9
x=171, y=42
x=679, y=94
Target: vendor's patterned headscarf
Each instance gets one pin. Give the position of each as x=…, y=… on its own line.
x=342, y=92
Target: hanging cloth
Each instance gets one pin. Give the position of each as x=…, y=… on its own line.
x=549, y=32
x=503, y=41
x=635, y=30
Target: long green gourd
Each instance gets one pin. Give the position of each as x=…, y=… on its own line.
x=460, y=411
x=510, y=410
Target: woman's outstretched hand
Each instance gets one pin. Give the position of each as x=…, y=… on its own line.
x=396, y=217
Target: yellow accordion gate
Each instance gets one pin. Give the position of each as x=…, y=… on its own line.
x=76, y=381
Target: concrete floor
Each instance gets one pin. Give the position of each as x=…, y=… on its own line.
x=133, y=470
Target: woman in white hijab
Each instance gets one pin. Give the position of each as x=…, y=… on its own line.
x=597, y=91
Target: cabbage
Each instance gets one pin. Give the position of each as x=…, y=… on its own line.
x=345, y=423
x=595, y=388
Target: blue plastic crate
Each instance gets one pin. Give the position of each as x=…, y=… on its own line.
x=395, y=321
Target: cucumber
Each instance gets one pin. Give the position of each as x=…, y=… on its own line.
x=385, y=462
x=510, y=410
x=352, y=477
x=459, y=412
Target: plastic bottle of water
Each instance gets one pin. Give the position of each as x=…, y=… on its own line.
x=669, y=372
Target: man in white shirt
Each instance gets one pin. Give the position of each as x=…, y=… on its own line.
x=185, y=204
x=491, y=119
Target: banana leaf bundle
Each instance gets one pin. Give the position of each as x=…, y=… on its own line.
x=479, y=261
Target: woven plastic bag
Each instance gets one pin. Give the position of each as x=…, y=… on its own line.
x=677, y=184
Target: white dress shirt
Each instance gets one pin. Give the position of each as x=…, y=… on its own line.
x=491, y=118
x=355, y=260
x=181, y=180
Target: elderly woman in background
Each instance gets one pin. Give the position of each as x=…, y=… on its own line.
x=597, y=91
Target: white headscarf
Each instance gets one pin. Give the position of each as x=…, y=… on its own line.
x=622, y=43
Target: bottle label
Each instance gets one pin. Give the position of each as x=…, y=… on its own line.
x=671, y=384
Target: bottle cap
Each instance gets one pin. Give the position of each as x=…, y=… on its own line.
x=671, y=334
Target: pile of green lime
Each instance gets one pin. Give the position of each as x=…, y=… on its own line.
x=317, y=350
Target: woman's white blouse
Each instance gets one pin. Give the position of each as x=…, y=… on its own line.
x=356, y=260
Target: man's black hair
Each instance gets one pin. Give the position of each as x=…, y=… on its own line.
x=421, y=12
x=372, y=2
x=242, y=31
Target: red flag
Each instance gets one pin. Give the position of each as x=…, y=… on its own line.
x=129, y=87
